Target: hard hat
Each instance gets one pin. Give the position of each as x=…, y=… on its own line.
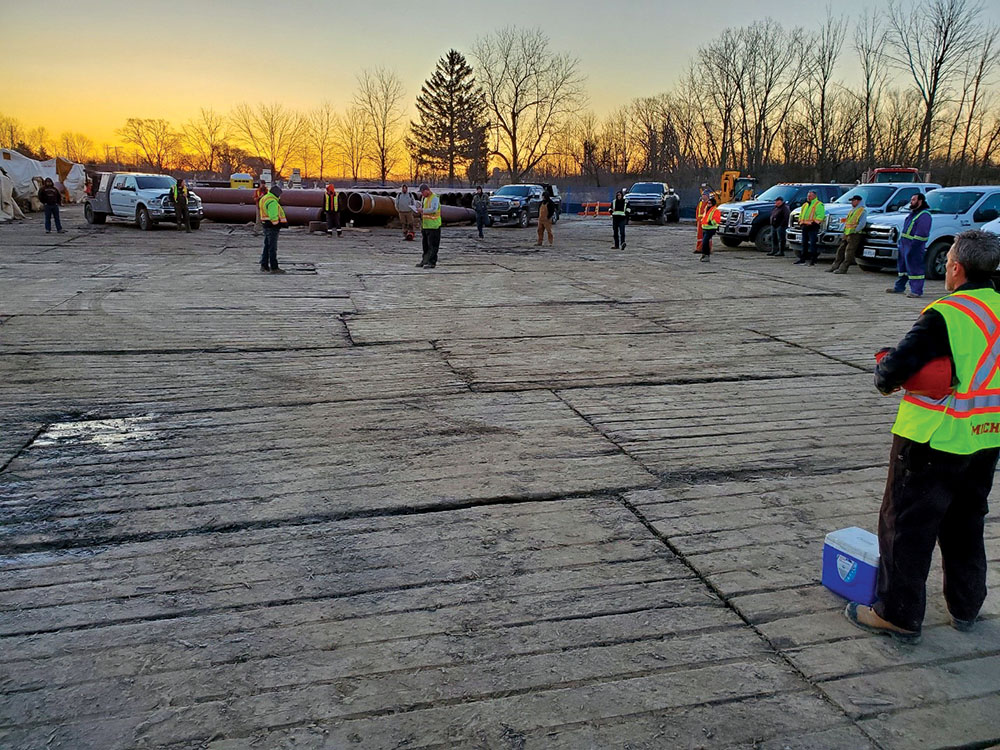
x=933, y=380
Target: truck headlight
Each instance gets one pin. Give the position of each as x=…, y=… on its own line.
x=750, y=216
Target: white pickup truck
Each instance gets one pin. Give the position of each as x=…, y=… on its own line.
x=143, y=199
x=953, y=210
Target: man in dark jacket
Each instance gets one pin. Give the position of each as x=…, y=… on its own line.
x=944, y=450
x=51, y=199
x=481, y=205
x=779, y=226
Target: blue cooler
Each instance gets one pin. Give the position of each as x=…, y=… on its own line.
x=850, y=564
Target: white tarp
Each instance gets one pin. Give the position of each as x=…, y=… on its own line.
x=28, y=175
x=9, y=210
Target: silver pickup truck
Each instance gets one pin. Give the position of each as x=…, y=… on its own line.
x=143, y=199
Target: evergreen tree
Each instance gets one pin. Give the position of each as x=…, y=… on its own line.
x=452, y=121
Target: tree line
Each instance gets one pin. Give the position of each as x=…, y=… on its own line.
x=762, y=98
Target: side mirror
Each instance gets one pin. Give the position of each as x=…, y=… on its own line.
x=892, y=207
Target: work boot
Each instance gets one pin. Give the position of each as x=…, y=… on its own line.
x=832, y=268
x=623, y=245
x=420, y=264
x=264, y=269
x=893, y=290
x=963, y=626
x=799, y=262
x=780, y=254
x=912, y=295
x=868, y=619
x=842, y=269
x=278, y=270
x=705, y=258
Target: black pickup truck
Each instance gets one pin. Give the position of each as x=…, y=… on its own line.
x=750, y=221
x=520, y=203
x=653, y=200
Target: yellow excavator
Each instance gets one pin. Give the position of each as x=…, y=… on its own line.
x=735, y=188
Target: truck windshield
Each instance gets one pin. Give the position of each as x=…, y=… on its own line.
x=779, y=191
x=951, y=203
x=518, y=190
x=646, y=187
x=871, y=195
x=154, y=181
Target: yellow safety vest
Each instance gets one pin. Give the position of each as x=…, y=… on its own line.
x=174, y=190
x=615, y=211
x=851, y=225
x=326, y=202
x=269, y=202
x=813, y=211
x=967, y=420
x=430, y=219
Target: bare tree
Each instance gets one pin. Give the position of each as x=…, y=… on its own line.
x=583, y=144
x=323, y=126
x=38, y=142
x=530, y=92
x=379, y=97
x=822, y=51
x=154, y=139
x=354, y=141
x=76, y=147
x=870, y=39
x=931, y=40
x=204, y=137
x=11, y=132
x=269, y=131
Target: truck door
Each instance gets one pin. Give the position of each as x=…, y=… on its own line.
x=901, y=199
x=123, y=196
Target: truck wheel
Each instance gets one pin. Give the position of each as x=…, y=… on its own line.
x=936, y=260
x=730, y=241
x=522, y=219
x=675, y=216
x=92, y=216
x=489, y=221
x=764, y=239
x=142, y=219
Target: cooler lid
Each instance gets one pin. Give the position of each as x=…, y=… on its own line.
x=858, y=543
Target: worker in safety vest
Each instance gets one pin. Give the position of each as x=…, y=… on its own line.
x=810, y=219
x=710, y=222
x=179, y=194
x=619, y=218
x=331, y=206
x=854, y=236
x=273, y=217
x=430, y=223
x=259, y=193
x=946, y=439
x=912, y=244
x=699, y=211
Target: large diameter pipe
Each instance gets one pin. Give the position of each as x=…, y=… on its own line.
x=368, y=204
x=243, y=196
x=229, y=213
x=457, y=215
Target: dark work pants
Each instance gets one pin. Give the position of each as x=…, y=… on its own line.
x=432, y=241
x=183, y=217
x=52, y=212
x=618, y=227
x=810, y=243
x=480, y=223
x=706, y=240
x=269, y=258
x=778, y=239
x=932, y=496
x=333, y=221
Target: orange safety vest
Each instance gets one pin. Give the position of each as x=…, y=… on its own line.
x=711, y=218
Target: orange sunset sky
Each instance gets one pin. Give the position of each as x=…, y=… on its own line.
x=87, y=66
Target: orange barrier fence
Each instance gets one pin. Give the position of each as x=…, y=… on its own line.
x=595, y=209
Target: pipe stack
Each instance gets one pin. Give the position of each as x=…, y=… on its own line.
x=363, y=206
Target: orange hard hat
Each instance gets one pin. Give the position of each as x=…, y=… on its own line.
x=932, y=380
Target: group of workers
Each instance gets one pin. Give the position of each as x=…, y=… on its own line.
x=912, y=241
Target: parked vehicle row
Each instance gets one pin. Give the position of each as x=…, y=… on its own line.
x=749, y=221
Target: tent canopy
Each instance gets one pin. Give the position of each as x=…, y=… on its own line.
x=27, y=174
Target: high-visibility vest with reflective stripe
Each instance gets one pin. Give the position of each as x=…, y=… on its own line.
x=275, y=216
x=615, y=211
x=967, y=420
x=908, y=230
x=431, y=219
x=175, y=189
x=711, y=218
x=813, y=211
x=851, y=225
x=326, y=202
